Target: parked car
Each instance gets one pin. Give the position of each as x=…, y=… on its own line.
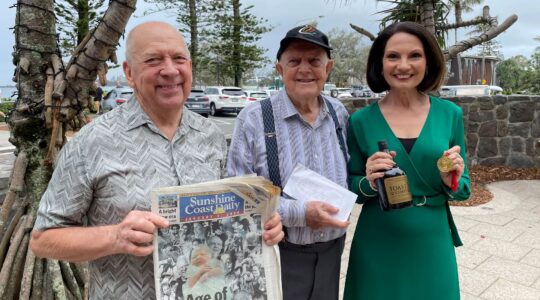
x=469, y=90
x=365, y=93
x=116, y=97
x=198, y=102
x=225, y=99
x=330, y=89
x=343, y=93
x=254, y=96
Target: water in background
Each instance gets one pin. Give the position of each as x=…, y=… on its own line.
x=7, y=92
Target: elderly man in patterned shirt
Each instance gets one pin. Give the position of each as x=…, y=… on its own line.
x=299, y=126
x=96, y=207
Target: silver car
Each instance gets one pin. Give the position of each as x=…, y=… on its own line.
x=116, y=97
x=198, y=102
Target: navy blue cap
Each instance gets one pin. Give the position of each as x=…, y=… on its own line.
x=306, y=33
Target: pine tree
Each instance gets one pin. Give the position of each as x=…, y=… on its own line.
x=234, y=37
x=192, y=17
x=74, y=20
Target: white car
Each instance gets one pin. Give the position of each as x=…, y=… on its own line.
x=329, y=89
x=344, y=93
x=469, y=90
x=225, y=99
x=254, y=96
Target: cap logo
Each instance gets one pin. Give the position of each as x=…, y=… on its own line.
x=308, y=29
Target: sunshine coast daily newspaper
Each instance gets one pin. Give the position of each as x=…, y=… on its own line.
x=213, y=249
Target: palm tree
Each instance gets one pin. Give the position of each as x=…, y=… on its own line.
x=461, y=6
x=433, y=14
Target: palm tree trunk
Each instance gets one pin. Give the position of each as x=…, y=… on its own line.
x=237, y=24
x=428, y=16
x=194, y=32
x=458, y=22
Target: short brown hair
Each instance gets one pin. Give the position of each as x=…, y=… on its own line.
x=435, y=64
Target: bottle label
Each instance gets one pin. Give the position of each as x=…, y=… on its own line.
x=397, y=189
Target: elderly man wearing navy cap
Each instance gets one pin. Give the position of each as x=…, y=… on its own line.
x=299, y=126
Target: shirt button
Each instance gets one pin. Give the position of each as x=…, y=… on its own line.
x=321, y=234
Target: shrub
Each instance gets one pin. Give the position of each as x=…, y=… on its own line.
x=5, y=106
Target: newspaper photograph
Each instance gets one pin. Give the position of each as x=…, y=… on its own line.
x=213, y=249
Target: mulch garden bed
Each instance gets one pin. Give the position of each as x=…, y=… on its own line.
x=482, y=175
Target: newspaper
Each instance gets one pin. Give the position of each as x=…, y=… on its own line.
x=213, y=249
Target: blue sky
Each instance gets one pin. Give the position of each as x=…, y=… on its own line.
x=285, y=14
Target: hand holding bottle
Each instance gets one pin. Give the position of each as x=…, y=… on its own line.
x=376, y=164
x=392, y=186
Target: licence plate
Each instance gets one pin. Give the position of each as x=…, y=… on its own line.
x=196, y=105
x=234, y=99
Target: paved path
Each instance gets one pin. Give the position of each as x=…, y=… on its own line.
x=501, y=255
x=500, y=258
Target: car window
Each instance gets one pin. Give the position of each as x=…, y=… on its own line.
x=196, y=94
x=233, y=92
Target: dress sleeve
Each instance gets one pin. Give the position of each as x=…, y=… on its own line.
x=358, y=182
x=458, y=138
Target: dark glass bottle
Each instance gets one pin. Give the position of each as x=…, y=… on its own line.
x=393, y=187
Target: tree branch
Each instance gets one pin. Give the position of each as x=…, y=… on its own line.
x=475, y=21
x=95, y=49
x=492, y=33
x=363, y=31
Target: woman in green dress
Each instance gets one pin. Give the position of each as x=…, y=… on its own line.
x=406, y=253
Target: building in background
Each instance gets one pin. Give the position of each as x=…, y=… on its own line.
x=474, y=70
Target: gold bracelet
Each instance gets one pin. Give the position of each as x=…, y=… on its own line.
x=360, y=188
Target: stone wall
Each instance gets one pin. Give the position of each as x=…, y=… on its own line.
x=500, y=130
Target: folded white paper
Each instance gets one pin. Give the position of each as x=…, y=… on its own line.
x=305, y=185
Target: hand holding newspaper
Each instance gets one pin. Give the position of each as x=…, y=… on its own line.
x=305, y=184
x=213, y=248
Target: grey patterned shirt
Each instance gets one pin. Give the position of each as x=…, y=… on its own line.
x=108, y=170
x=316, y=147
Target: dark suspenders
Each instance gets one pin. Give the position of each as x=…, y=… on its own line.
x=270, y=139
x=339, y=130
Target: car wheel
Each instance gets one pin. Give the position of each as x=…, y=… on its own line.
x=213, y=111
x=334, y=93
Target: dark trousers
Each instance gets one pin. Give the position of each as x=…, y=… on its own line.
x=311, y=272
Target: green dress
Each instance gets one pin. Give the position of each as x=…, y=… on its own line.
x=406, y=253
